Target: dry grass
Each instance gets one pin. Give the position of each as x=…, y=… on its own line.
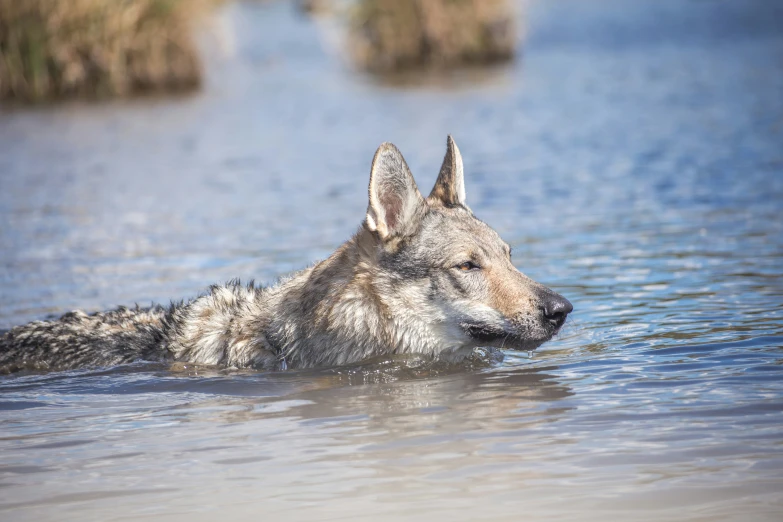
x=393, y=35
x=52, y=49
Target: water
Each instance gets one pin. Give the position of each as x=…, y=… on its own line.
x=634, y=159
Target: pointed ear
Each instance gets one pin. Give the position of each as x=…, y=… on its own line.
x=450, y=187
x=395, y=202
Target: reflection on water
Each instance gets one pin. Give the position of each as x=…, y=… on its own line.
x=633, y=159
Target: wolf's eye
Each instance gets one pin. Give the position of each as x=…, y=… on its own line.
x=467, y=266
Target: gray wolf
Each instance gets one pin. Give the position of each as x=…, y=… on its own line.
x=421, y=275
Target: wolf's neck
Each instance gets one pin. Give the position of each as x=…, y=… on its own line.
x=344, y=310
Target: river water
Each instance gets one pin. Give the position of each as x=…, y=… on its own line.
x=633, y=157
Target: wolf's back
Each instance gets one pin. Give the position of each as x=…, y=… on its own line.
x=80, y=340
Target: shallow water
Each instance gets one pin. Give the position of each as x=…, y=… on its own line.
x=634, y=159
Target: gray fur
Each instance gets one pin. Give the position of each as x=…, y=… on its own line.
x=401, y=284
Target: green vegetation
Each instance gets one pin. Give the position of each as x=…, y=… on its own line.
x=51, y=49
x=392, y=35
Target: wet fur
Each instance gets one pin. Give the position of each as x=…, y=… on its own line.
x=395, y=287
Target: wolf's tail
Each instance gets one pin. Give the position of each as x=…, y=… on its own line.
x=80, y=340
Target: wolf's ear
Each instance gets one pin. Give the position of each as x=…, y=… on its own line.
x=449, y=189
x=395, y=202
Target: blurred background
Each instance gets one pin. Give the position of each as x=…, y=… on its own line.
x=630, y=151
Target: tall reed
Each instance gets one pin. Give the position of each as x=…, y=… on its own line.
x=390, y=35
x=52, y=49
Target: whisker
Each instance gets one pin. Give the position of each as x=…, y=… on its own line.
x=503, y=344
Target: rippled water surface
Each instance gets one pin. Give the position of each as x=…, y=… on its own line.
x=634, y=159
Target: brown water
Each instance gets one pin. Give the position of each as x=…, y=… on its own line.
x=634, y=159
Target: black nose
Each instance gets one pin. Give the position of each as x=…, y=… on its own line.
x=556, y=308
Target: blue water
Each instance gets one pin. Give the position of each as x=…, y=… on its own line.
x=632, y=156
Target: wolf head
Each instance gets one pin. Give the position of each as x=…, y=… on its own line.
x=447, y=271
